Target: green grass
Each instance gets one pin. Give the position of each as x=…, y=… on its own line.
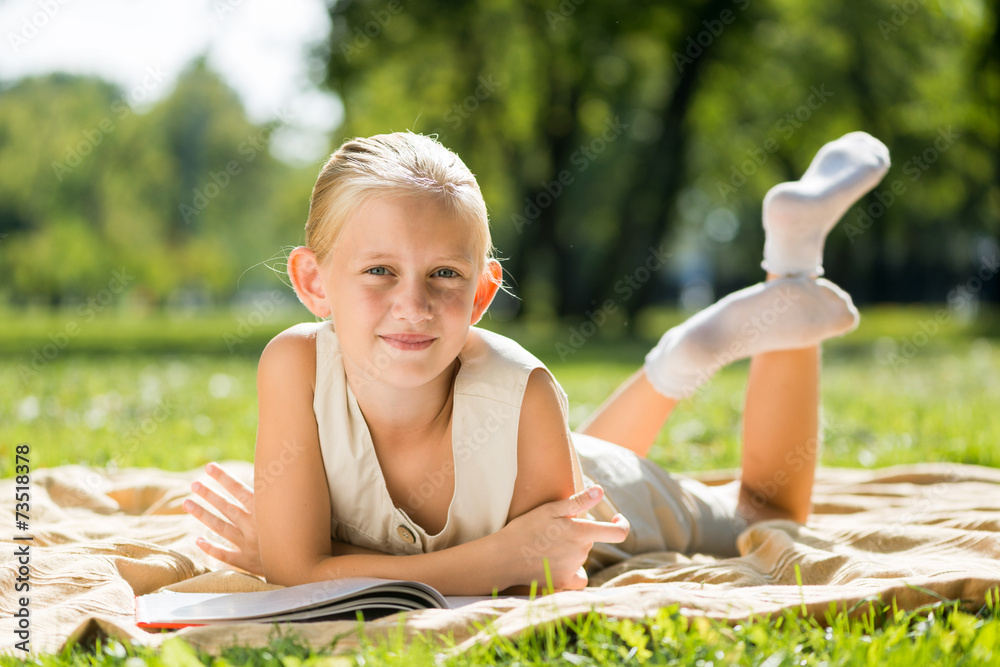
x=180, y=409
x=176, y=392
x=877, y=635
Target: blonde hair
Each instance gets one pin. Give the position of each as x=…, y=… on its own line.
x=401, y=163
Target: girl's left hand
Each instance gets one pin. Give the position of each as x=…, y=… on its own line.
x=241, y=528
x=552, y=533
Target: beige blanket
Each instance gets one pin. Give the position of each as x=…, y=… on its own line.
x=101, y=538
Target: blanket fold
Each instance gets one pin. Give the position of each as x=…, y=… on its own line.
x=914, y=534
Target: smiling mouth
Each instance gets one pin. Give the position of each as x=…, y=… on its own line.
x=408, y=341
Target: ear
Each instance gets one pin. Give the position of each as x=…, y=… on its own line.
x=489, y=282
x=303, y=270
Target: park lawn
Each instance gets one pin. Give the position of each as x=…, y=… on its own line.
x=896, y=391
x=156, y=406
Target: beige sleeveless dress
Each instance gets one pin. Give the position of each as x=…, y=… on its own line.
x=666, y=513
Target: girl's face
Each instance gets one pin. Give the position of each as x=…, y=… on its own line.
x=401, y=285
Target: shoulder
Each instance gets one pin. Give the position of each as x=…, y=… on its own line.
x=483, y=343
x=543, y=390
x=546, y=465
x=545, y=404
x=293, y=351
x=498, y=367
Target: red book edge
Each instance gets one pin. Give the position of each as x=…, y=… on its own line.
x=168, y=626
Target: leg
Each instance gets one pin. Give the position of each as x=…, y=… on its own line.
x=782, y=314
x=780, y=434
x=773, y=324
x=781, y=415
x=632, y=416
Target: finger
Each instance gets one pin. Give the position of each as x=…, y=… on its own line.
x=602, y=531
x=221, y=528
x=231, y=557
x=575, y=582
x=232, y=512
x=228, y=556
x=580, y=502
x=240, y=491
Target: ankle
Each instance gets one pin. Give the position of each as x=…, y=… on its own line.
x=784, y=276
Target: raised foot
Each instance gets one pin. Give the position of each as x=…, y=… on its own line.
x=798, y=215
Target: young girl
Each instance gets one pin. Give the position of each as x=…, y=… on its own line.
x=398, y=440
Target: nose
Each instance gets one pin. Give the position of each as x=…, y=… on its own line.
x=413, y=301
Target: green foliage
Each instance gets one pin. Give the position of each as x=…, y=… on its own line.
x=596, y=134
x=722, y=99
x=183, y=197
x=916, y=75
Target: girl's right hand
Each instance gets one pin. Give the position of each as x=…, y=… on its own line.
x=240, y=526
x=552, y=532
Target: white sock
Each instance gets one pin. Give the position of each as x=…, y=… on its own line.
x=799, y=214
x=786, y=313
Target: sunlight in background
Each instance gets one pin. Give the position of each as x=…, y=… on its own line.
x=261, y=49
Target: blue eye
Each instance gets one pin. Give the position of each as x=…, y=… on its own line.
x=453, y=273
x=377, y=271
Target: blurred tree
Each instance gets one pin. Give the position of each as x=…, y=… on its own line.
x=904, y=72
x=599, y=131
x=623, y=150
x=183, y=197
x=571, y=113
x=50, y=203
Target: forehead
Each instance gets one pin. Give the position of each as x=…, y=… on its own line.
x=396, y=224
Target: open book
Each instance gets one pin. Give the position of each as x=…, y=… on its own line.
x=339, y=599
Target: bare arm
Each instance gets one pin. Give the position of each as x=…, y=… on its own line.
x=242, y=532
x=292, y=504
x=547, y=464
x=239, y=525
x=548, y=470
